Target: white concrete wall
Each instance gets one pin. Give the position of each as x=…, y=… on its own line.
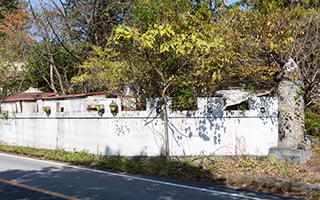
x=133, y=133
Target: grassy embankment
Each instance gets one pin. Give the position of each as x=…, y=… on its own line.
x=236, y=171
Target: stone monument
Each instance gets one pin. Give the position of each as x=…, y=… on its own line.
x=292, y=147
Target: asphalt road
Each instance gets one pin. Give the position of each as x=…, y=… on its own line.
x=25, y=178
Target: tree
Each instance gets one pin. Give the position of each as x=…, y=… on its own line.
x=58, y=36
x=13, y=25
x=69, y=29
x=8, y=6
x=185, y=52
x=265, y=36
x=305, y=50
x=92, y=21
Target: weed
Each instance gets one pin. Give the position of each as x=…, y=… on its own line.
x=246, y=162
x=201, y=169
x=313, y=194
x=274, y=164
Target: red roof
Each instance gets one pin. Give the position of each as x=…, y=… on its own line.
x=27, y=96
x=75, y=95
x=33, y=96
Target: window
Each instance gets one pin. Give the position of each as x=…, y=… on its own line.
x=59, y=107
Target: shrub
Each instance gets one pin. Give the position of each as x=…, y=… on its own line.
x=312, y=120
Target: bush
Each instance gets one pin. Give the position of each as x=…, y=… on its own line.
x=312, y=120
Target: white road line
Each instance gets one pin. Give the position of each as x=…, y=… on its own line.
x=134, y=177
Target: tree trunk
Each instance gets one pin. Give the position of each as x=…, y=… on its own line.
x=52, y=80
x=60, y=80
x=166, y=129
x=165, y=120
x=53, y=69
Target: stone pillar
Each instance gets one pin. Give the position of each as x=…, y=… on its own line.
x=292, y=147
x=291, y=114
x=291, y=107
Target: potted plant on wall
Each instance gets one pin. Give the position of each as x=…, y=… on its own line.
x=47, y=110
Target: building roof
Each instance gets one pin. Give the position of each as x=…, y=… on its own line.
x=33, y=95
x=27, y=96
x=68, y=96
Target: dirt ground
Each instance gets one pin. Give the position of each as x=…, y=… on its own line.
x=273, y=175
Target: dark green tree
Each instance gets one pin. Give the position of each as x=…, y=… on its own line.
x=8, y=6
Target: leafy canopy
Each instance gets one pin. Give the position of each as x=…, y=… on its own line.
x=165, y=57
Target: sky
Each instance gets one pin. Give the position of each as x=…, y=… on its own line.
x=231, y=1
